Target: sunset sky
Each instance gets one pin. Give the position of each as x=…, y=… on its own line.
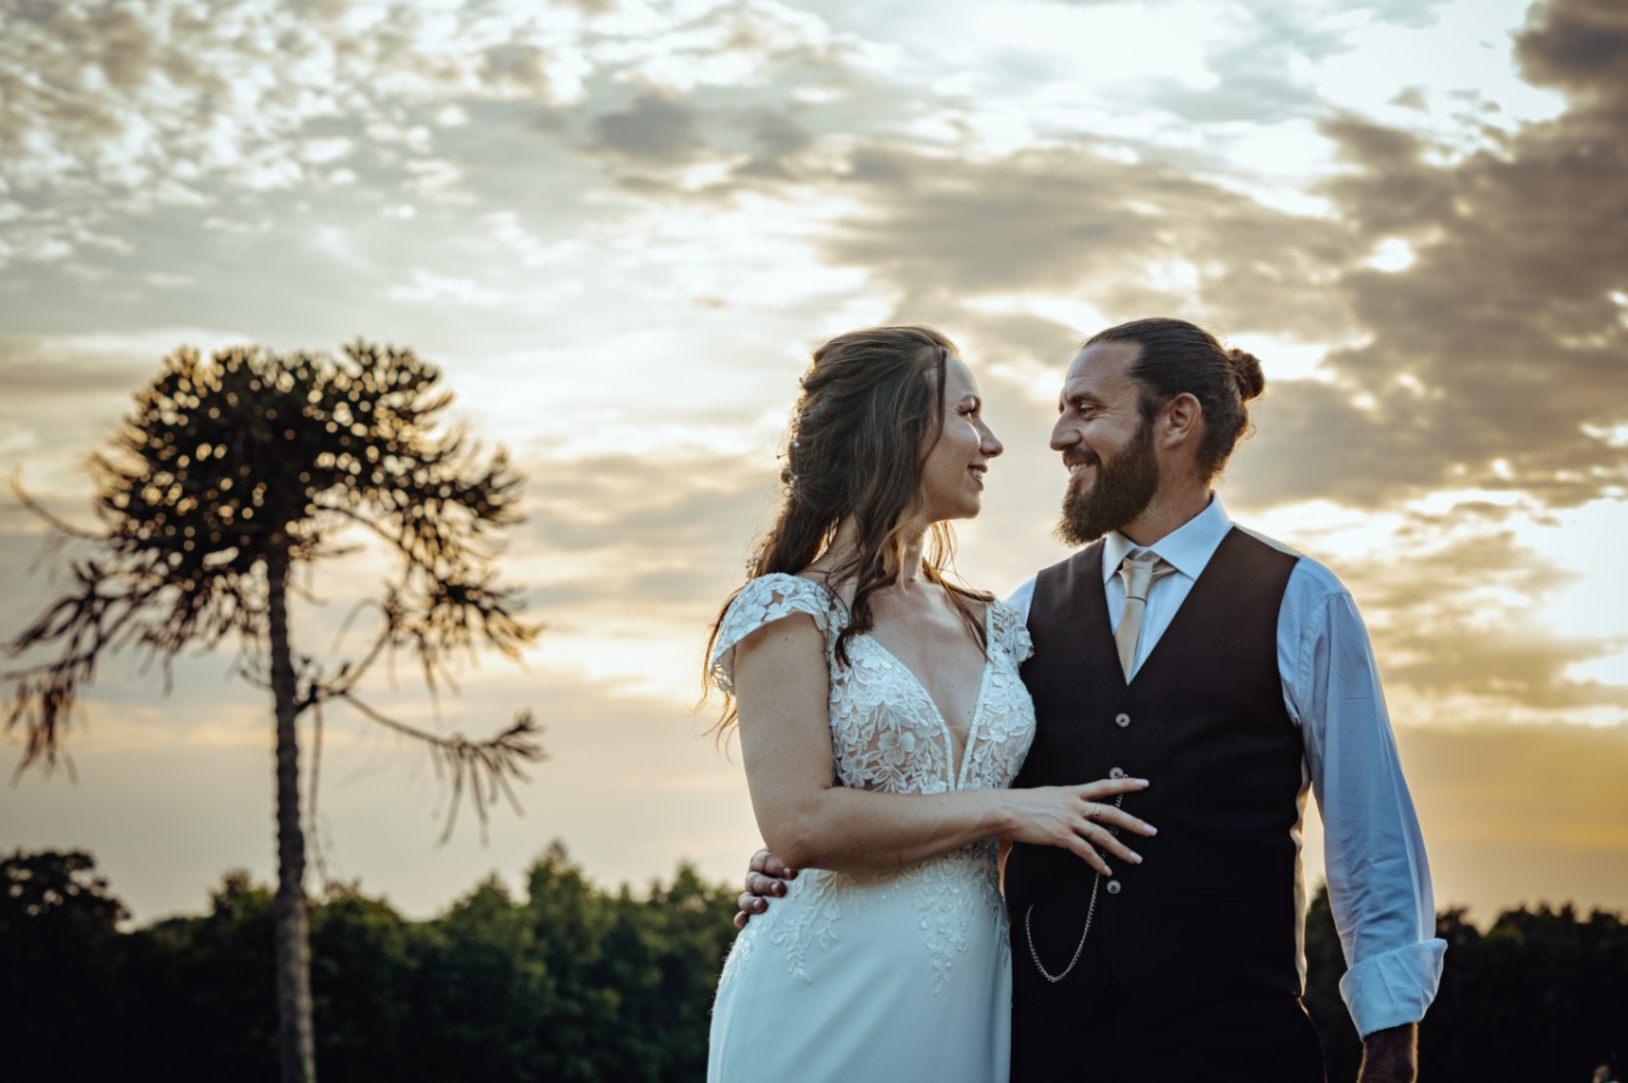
x=620, y=227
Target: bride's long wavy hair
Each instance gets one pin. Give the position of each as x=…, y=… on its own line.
x=871, y=409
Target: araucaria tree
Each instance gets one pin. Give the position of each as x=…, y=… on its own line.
x=230, y=474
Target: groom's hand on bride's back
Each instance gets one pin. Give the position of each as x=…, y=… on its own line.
x=766, y=878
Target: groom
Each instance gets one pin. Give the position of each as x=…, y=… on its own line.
x=1236, y=675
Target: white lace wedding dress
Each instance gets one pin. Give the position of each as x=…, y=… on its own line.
x=897, y=975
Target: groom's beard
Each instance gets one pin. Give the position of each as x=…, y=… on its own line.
x=1125, y=485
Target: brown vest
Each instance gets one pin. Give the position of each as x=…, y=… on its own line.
x=1212, y=914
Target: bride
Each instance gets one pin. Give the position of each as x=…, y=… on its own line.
x=881, y=717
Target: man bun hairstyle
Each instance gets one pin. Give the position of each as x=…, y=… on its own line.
x=1246, y=367
x=1179, y=358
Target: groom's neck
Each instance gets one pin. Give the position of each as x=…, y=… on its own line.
x=1174, y=504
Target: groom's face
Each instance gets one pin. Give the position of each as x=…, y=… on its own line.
x=1106, y=443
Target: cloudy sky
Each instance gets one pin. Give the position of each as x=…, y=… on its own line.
x=620, y=227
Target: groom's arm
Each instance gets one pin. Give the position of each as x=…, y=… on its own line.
x=1390, y=1055
x=1378, y=876
x=1021, y=598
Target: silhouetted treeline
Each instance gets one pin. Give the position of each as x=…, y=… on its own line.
x=573, y=983
x=1542, y=995
x=567, y=983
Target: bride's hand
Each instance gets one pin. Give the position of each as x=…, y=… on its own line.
x=1081, y=819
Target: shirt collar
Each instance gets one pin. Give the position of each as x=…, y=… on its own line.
x=1188, y=548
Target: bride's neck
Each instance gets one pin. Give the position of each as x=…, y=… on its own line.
x=904, y=562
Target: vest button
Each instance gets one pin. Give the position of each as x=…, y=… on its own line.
x=1116, y=772
x=1114, y=887
x=1122, y=720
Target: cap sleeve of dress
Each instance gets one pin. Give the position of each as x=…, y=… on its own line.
x=762, y=601
x=1011, y=632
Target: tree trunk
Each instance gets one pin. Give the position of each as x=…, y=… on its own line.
x=295, y=1043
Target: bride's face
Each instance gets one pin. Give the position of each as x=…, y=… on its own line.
x=952, y=477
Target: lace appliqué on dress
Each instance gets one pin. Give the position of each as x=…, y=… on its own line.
x=1008, y=712
x=762, y=601
x=950, y=894
x=887, y=736
x=825, y=898
x=800, y=924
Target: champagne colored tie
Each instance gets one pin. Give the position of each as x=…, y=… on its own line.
x=1139, y=570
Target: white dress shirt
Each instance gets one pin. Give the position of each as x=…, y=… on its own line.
x=1378, y=878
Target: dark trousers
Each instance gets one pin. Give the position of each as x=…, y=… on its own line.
x=1252, y=1041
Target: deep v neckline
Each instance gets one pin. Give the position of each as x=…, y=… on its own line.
x=957, y=768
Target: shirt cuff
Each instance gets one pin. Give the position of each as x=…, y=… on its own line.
x=1395, y=988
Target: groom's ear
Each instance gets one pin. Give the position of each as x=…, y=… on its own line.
x=1180, y=423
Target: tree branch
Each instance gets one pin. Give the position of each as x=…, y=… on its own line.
x=62, y=526
x=495, y=759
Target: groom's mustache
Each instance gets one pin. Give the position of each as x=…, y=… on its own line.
x=1072, y=459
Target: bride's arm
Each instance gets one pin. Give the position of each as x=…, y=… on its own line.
x=782, y=694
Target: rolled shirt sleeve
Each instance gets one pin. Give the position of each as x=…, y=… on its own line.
x=1378, y=875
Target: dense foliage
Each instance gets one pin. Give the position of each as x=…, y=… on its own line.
x=573, y=983
x=1542, y=994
